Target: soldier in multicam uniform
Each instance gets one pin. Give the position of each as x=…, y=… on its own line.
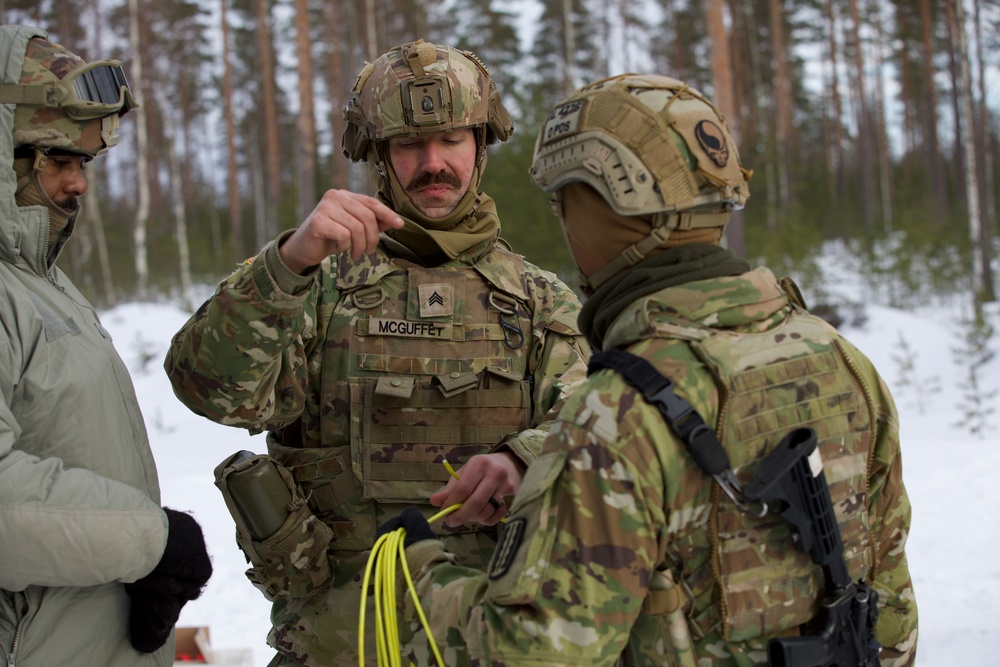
x=372, y=359
x=619, y=549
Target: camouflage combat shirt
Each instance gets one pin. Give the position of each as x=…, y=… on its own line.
x=336, y=364
x=621, y=551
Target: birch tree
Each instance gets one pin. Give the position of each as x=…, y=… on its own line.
x=982, y=277
x=139, y=244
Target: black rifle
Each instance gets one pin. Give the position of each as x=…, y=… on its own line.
x=787, y=478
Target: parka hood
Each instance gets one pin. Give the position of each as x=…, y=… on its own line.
x=23, y=231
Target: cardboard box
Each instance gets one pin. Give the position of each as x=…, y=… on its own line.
x=193, y=647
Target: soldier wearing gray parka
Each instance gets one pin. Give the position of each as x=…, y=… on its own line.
x=79, y=498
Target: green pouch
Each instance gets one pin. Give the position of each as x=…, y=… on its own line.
x=291, y=562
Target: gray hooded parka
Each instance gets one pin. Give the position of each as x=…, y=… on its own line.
x=79, y=497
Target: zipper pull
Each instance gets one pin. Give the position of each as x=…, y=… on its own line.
x=10, y=659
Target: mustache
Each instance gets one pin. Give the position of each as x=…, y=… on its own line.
x=426, y=178
x=70, y=204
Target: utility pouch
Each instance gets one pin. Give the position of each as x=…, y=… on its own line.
x=282, y=539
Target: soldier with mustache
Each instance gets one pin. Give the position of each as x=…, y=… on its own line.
x=383, y=337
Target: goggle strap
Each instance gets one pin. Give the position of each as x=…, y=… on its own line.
x=15, y=93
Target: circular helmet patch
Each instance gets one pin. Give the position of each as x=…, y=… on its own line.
x=712, y=140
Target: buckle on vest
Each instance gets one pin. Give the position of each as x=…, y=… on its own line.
x=368, y=297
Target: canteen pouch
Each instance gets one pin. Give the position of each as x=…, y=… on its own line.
x=282, y=539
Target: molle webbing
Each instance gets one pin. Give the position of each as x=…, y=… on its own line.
x=648, y=137
x=792, y=375
x=403, y=439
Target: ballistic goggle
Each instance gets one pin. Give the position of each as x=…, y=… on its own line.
x=90, y=91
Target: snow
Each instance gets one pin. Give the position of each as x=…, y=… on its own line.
x=946, y=469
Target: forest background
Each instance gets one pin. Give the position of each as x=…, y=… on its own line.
x=867, y=122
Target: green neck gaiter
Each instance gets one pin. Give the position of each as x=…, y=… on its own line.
x=672, y=267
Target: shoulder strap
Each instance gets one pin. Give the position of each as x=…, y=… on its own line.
x=680, y=415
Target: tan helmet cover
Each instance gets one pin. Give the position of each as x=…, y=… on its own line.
x=421, y=88
x=647, y=143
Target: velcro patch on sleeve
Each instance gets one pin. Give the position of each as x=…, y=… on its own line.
x=510, y=542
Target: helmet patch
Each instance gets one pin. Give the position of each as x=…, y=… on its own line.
x=713, y=141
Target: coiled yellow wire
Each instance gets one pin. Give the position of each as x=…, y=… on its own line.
x=382, y=561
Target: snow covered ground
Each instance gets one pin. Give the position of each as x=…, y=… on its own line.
x=948, y=473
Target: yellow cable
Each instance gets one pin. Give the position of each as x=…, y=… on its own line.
x=381, y=566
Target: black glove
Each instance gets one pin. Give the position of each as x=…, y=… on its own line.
x=413, y=521
x=180, y=575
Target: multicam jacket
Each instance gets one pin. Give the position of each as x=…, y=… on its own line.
x=367, y=378
x=621, y=551
x=79, y=496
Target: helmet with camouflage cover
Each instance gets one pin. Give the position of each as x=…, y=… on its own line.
x=416, y=89
x=421, y=88
x=64, y=103
x=659, y=155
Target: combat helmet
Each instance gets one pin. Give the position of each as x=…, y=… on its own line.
x=650, y=146
x=416, y=89
x=65, y=103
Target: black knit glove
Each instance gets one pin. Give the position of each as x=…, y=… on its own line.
x=158, y=597
x=413, y=521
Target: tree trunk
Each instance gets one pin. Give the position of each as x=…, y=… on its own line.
x=722, y=82
x=784, y=129
x=306, y=118
x=865, y=140
x=92, y=209
x=336, y=91
x=270, y=113
x=982, y=277
x=836, y=156
x=91, y=204
x=141, y=166
x=881, y=135
x=371, y=41
x=765, y=137
x=955, y=73
x=235, y=212
x=985, y=131
x=180, y=220
x=569, y=44
x=935, y=173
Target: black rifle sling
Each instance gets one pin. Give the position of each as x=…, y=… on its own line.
x=683, y=419
x=680, y=415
